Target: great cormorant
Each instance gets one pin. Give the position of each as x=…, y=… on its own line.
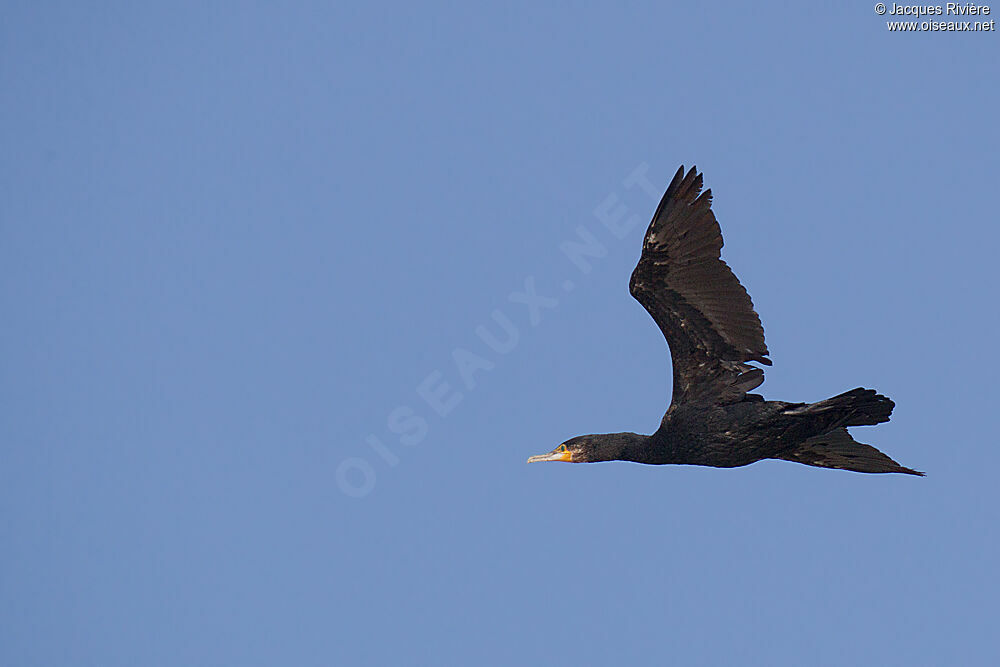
x=713, y=332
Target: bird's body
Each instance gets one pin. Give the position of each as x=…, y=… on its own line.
x=713, y=332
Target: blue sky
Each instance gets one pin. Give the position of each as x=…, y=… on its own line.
x=246, y=250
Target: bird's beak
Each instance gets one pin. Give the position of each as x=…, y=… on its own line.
x=552, y=456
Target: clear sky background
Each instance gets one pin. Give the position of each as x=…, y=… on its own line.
x=237, y=239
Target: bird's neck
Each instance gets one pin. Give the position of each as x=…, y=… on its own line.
x=628, y=447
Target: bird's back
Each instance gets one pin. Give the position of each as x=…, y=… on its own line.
x=723, y=436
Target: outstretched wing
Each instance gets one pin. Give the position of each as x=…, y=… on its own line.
x=837, y=449
x=694, y=297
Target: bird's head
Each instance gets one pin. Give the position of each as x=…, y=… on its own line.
x=591, y=448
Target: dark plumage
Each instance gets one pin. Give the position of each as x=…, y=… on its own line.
x=713, y=332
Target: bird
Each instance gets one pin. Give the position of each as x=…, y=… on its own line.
x=715, y=337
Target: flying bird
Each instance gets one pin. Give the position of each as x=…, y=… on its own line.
x=713, y=333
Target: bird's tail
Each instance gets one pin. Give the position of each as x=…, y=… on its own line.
x=857, y=407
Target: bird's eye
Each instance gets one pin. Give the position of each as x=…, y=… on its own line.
x=561, y=448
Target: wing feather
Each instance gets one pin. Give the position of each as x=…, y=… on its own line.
x=700, y=306
x=837, y=449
